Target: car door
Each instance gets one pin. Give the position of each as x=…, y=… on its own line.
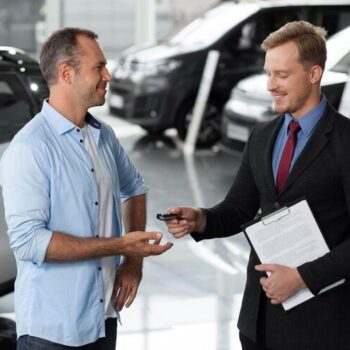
x=15, y=111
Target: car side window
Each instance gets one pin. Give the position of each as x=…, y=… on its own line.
x=333, y=19
x=251, y=34
x=15, y=107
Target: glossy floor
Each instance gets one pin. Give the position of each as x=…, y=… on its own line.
x=190, y=297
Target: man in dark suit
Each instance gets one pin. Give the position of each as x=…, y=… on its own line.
x=302, y=153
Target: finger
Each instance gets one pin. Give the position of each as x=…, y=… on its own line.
x=174, y=223
x=121, y=298
x=176, y=210
x=179, y=230
x=155, y=236
x=263, y=281
x=160, y=249
x=132, y=296
x=265, y=267
x=181, y=234
x=275, y=301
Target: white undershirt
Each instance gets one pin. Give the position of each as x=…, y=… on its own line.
x=105, y=200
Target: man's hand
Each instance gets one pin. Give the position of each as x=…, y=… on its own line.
x=127, y=280
x=190, y=220
x=283, y=282
x=142, y=244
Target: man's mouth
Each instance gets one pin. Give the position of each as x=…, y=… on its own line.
x=278, y=97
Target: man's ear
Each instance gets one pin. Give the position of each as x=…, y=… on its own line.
x=65, y=73
x=315, y=74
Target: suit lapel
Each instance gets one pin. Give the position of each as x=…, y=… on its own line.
x=268, y=155
x=312, y=149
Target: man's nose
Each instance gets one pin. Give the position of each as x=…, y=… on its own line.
x=271, y=83
x=106, y=75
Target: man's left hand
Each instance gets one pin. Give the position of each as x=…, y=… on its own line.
x=283, y=282
x=127, y=282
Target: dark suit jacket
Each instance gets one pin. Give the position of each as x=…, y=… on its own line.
x=322, y=175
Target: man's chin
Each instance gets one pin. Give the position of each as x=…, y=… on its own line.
x=280, y=109
x=97, y=104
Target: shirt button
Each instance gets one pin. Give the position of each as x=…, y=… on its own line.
x=101, y=300
x=81, y=141
x=277, y=205
x=100, y=268
x=97, y=236
x=78, y=130
x=92, y=170
x=96, y=203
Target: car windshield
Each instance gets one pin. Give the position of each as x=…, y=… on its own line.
x=207, y=29
x=338, y=49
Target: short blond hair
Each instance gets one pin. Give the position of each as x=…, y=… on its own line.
x=310, y=40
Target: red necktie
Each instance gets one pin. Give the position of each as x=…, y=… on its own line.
x=287, y=155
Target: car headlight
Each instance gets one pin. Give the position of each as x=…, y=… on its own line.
x=139, y=70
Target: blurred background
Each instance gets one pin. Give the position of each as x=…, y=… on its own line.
x=157, y=52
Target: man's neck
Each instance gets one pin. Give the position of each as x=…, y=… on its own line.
x=73, y=113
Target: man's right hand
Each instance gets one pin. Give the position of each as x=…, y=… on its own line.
x=190, y=219
x=138, y=244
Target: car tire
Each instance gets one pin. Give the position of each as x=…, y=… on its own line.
x=210, y=130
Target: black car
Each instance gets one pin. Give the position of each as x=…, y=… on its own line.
x=22, y=90
x=251, y=103
x=155, y=87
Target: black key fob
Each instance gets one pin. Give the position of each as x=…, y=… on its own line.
x=166, y=216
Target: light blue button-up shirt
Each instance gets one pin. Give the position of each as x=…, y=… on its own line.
x=49, y=185
x=307, y=124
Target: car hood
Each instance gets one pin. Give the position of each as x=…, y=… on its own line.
x=153, y=53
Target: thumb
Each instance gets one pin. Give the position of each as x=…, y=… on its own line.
x=176, y=210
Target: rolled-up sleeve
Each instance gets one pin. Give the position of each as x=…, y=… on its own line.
x=26, y=194
x=130, y=180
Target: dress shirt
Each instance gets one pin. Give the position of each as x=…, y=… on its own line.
x=49, y=185
x=307, y=124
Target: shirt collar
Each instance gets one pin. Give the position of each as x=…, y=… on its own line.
x=309, y=121
x=60, y=123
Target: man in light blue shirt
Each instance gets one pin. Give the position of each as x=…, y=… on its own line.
x=67, y=185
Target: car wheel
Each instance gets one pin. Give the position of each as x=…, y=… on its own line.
x=210, y=130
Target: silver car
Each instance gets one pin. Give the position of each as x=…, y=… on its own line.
x=251, y=103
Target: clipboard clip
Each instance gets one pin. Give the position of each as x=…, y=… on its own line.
x=275, y=216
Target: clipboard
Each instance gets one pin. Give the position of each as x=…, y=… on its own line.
x=289, y=236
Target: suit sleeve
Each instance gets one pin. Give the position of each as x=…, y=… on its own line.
x=334, y=265
x=239, y=206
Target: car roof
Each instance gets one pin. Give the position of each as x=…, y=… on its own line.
x=281, y=3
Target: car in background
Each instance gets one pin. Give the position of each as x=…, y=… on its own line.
x=156, y=87
x=22, y=90
x=251, y=103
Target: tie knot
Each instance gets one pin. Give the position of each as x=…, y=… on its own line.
x=294, y=127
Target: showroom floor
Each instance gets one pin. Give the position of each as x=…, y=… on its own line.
x=190, y=296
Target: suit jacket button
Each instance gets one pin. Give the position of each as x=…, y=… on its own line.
x=277, y=205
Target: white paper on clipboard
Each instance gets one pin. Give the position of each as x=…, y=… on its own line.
x=289, y=237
